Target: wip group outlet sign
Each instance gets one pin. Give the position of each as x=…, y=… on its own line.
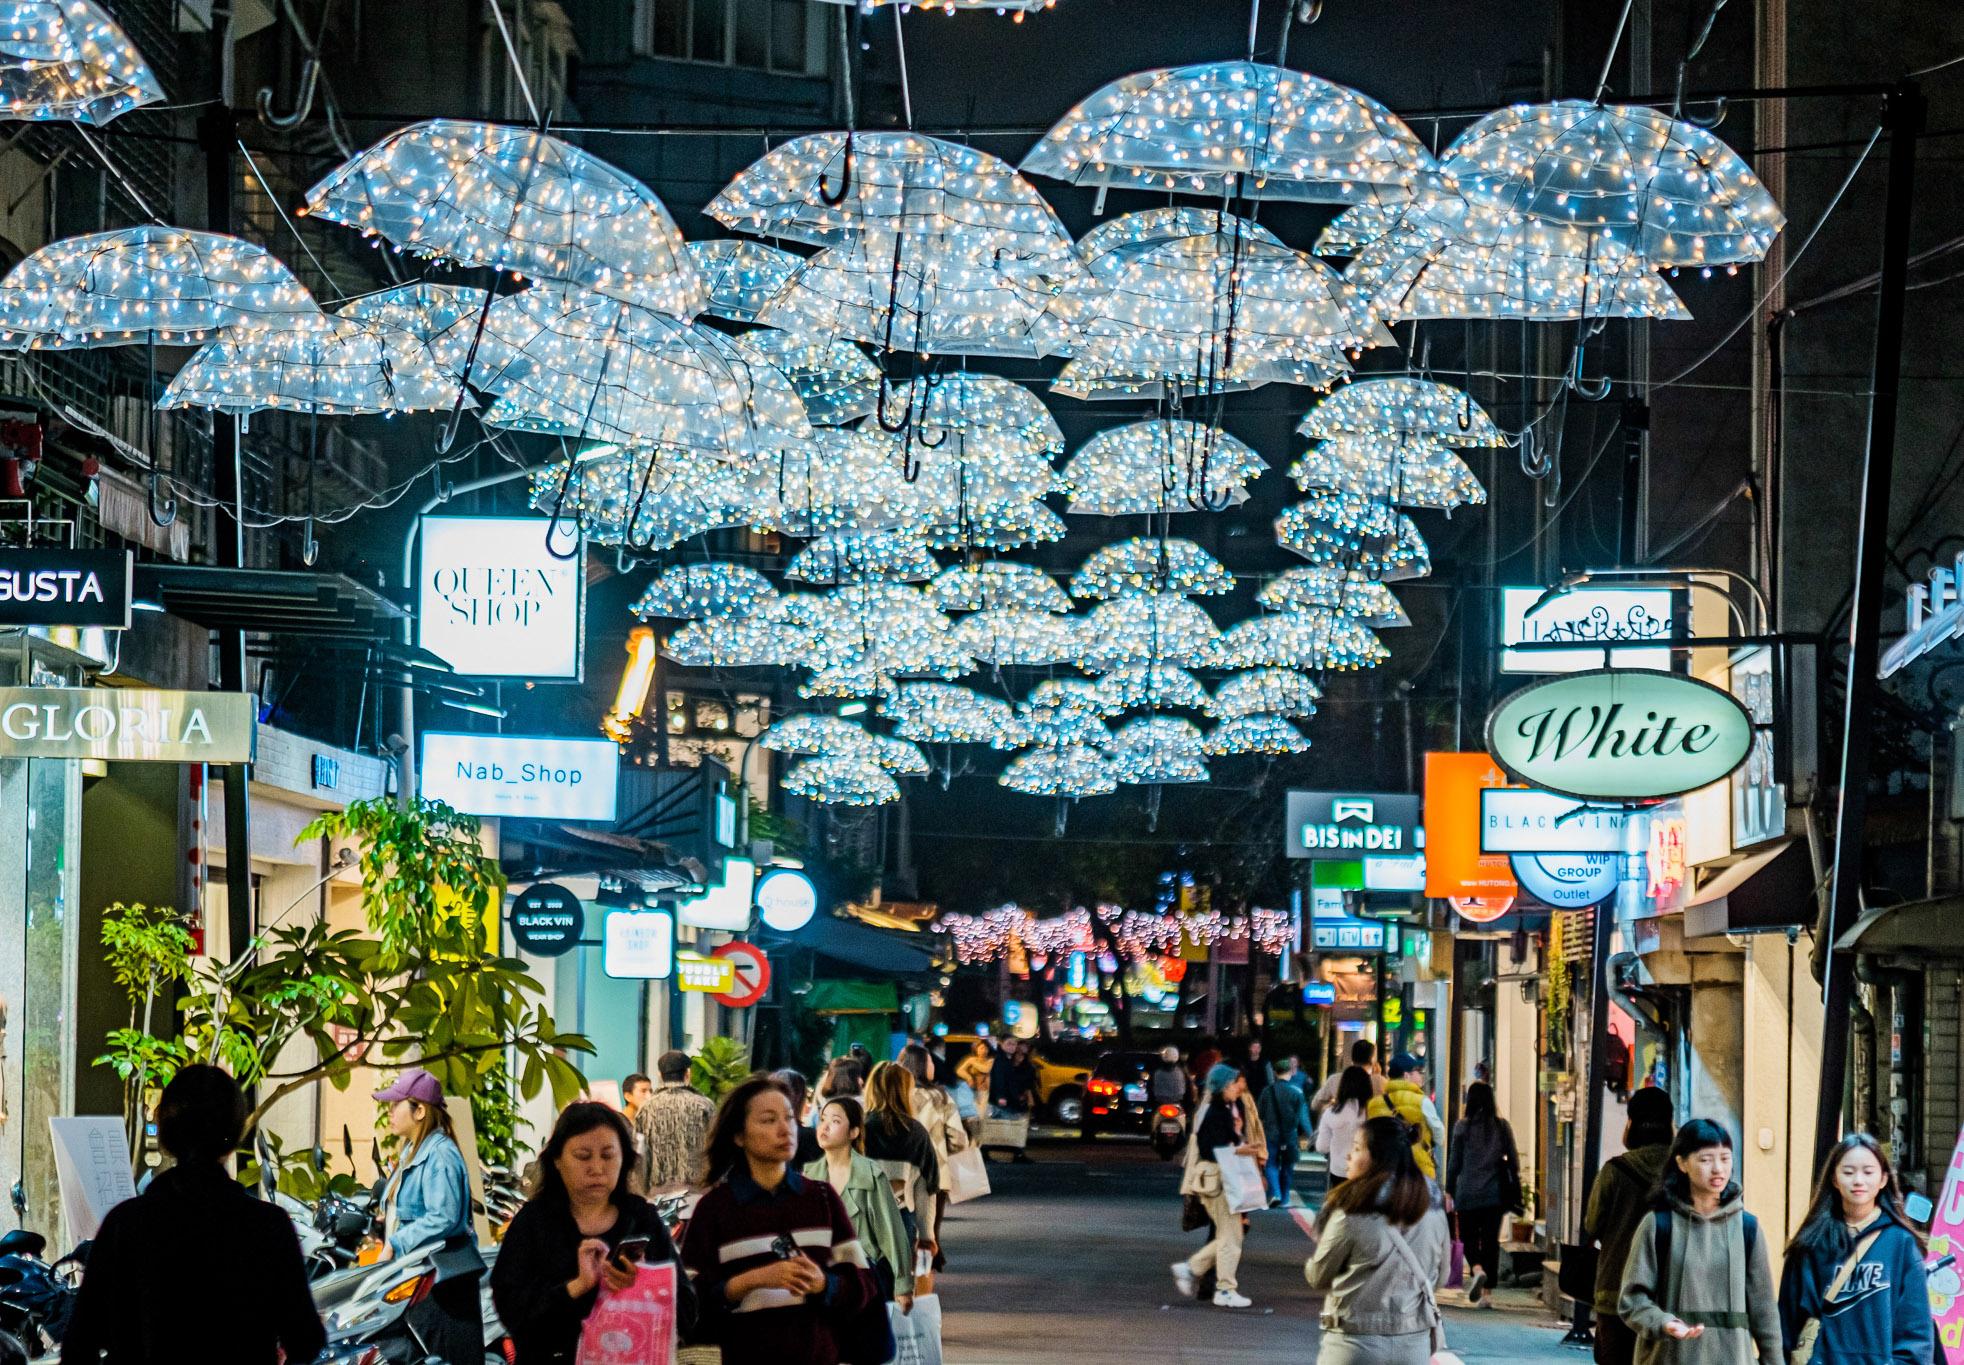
x=1620, y=734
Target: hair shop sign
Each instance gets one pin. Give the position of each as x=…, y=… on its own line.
x=1620, y=734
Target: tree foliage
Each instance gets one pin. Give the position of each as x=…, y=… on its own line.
x=720, y=1066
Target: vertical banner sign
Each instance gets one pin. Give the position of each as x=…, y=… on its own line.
x=1759, y=803
x=92, y=1167
x=1454, y=864
x=1947, y=1239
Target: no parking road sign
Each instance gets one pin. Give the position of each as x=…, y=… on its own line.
x=753, y=974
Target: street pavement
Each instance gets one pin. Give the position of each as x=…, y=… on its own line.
x=1067, y=1261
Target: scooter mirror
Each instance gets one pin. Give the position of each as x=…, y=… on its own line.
x=19, y=1197
x=1918, y=1207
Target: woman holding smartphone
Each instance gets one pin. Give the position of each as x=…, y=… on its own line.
x=581, y=1230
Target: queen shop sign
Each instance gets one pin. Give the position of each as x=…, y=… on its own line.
x=1351, y=825
x=1620, y=734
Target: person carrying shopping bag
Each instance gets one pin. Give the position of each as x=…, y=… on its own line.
x=1381, y=1252
x=1853, y=1290
x=1220, y=1123
x=1697, y=1289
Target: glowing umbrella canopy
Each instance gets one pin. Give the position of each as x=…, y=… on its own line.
x=998, y=583
x=944, y=713
x=519, y=200
x=741, y=277
x=1072, y=770
x=1257, y=734
x=814, y=734
x=1146, y=628
x=1668, y=190
x=851, y=557
x=1151, y=686
x=1109, y=246
x=647, y=499
x=740, y=643
x=1218, y=128
x=836, y=381
x=148, y=284
x=1309, y=640
x=1401, y=406
x=1341, y=591
x=333, y=366
x=1368, y=537
x=1408, y=471
x=1158, y=749
x=1272, y=691
x=68, y=61
x=843, y=780
x=704, y=592
x=1160, y=466
x=429, y=312
x=1146, y=564
x=1017, y=636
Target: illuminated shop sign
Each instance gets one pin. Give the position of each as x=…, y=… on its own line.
x=127, y=724
x=65, y=588
x=1351, y=824
x=493, y=602
x=1588, y=618
x=1620, y=734
x=1521, y=820
x=521, y=776
x=1568, y=881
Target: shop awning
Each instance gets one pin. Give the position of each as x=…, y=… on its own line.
x=853, y=997
x=1925, y=928
x=1770, y=889
x=857, y=945
x=269, y=601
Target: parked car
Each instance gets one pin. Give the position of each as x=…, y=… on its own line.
x=1118, y=1094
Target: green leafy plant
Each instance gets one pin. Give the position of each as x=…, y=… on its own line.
x=494, y=1113
x=720, y=1066
x=149, y=952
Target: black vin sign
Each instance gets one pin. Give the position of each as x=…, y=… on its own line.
x=65, y=588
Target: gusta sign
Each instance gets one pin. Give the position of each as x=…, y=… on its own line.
x=1620, y=734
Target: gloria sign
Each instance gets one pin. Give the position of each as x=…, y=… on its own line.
x=65, y=588
x=493, y=602
x=538, y=779
x=127, y=724
x=1589, y=618
x=1620, y=734
x=1350, y=824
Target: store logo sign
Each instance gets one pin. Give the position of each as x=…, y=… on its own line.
x=526, y=777
x=65, y=588
x=127, y=724
x=494, y=602
x=1590, y=619
x=1351, y=825
x=1568, y=881
x=1517, y=820
x=1620, y=734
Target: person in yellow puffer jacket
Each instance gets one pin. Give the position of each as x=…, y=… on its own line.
x=1404, y=1098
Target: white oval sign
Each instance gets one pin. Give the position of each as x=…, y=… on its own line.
x=1620, y=734
x=1567, y=881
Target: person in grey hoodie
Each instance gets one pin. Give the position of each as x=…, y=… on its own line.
x=1380, y=1255
x=1697, y=1288
x=1877, y=1310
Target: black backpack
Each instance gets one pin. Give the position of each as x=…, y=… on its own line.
x=1662, y=1244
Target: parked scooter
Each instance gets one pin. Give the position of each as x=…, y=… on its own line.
x=1169, y=1130
x=37, y=1297
x=366, y=1310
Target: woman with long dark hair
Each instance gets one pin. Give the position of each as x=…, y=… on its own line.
x=779, y=1270
x=1483, y=1176
x=581, y=1230
x=1337, y=1129
x=1698, y=1289
x=1853, y=1290
x=1380, y=1255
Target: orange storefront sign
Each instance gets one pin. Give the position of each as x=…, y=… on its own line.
x=1454, y=865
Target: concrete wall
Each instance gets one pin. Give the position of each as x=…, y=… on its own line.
x=1781, y=1056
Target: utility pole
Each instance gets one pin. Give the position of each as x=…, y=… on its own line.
x=217, y=136
x=1902, y=114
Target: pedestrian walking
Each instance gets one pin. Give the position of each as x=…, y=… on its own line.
x=842, y=1077
x=635, y=1091
x=780, y=1273
x=1169, y=1082
x=902, y=1147
x=936, y=1111
x=427, y=1203
x=1483, y=1176
x=1337, y=1129
x=1363, y=1054
x=1697, y=1289
x=868, y=1197
x=1404, y=1098
x=133, y=1305
x=566, y=1244
x=1381, y=1244
x=793, y=1084
x=1619, y=1202
x=1853, y=1290
x=1257, y=1070
x=1220, y=1122
x=1285, y=1119
x=672, y=1127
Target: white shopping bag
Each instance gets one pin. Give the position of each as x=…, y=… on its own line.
x=968, y=1175
x=917, y=1334
x=1241, y=1181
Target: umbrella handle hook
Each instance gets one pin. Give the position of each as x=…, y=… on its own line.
x=310, y=546
x=558, y=509
x=167, y=513
x=906, y=419
x=830, y=198
x=1465, y=415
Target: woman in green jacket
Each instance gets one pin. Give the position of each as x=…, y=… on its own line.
x=867, y=1192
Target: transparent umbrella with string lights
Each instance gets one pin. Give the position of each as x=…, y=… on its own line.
x=1266, y=691
x=1336, y=588
x=520, y=200
x=1310, y=640
x=331, y=366
x=571, y=362
x=852, y=557
x=1158, y=749
x=1362, y=534
x=815, y=734
x=1062, y=770
x=842, y=780
x=1404, y=407
x=876, y=631
x=1019, y=637
x=998, y=584
x=1255, y=734
x=741, y=277
x=1147, y=564
x=429, y=312
x=836, y=381
x=645, y=499
x=1145, y=629
x=1152, y=686
x=68, y=61
x=704, y=592
x=1666, y=190
x=1160, y=466
x=149, y=285
x=1408, y=471
x=758, y=641
x=1235, y=128
x=1016, y=9
x=947, y=713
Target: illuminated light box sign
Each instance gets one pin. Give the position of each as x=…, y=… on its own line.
x=1521, y=820
x=65, y=588
x=1589, y=618
x=638, y=945
x=1568, y=881
x=725, y=906
x=1620, y=734
x=709, y=975
x=1395, y=874
x=1319, y=993
x=1454, y=862
x=1933, y=613
x=493, y=602
x=127, y=724
x=523, y=777
x=1351, y=825
x=786, y=899
x=1481, y=909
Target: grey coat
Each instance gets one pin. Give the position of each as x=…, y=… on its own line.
x=1714, y=1283
x=1368, y=1288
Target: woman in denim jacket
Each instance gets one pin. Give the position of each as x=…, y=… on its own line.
x=427, y=1203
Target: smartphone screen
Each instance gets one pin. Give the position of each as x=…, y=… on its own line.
x=631, y=1249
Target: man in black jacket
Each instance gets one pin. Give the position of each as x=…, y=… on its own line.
x=195, y=1233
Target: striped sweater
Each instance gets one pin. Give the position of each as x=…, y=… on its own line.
x=733, y=1231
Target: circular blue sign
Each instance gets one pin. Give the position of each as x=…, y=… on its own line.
x=1567, y=881
x=786, y=899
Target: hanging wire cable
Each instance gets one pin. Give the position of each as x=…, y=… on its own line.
x=518, y=68
x=274, y=198
x=906, y=90
x=1615, y=42
x=135, y=195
